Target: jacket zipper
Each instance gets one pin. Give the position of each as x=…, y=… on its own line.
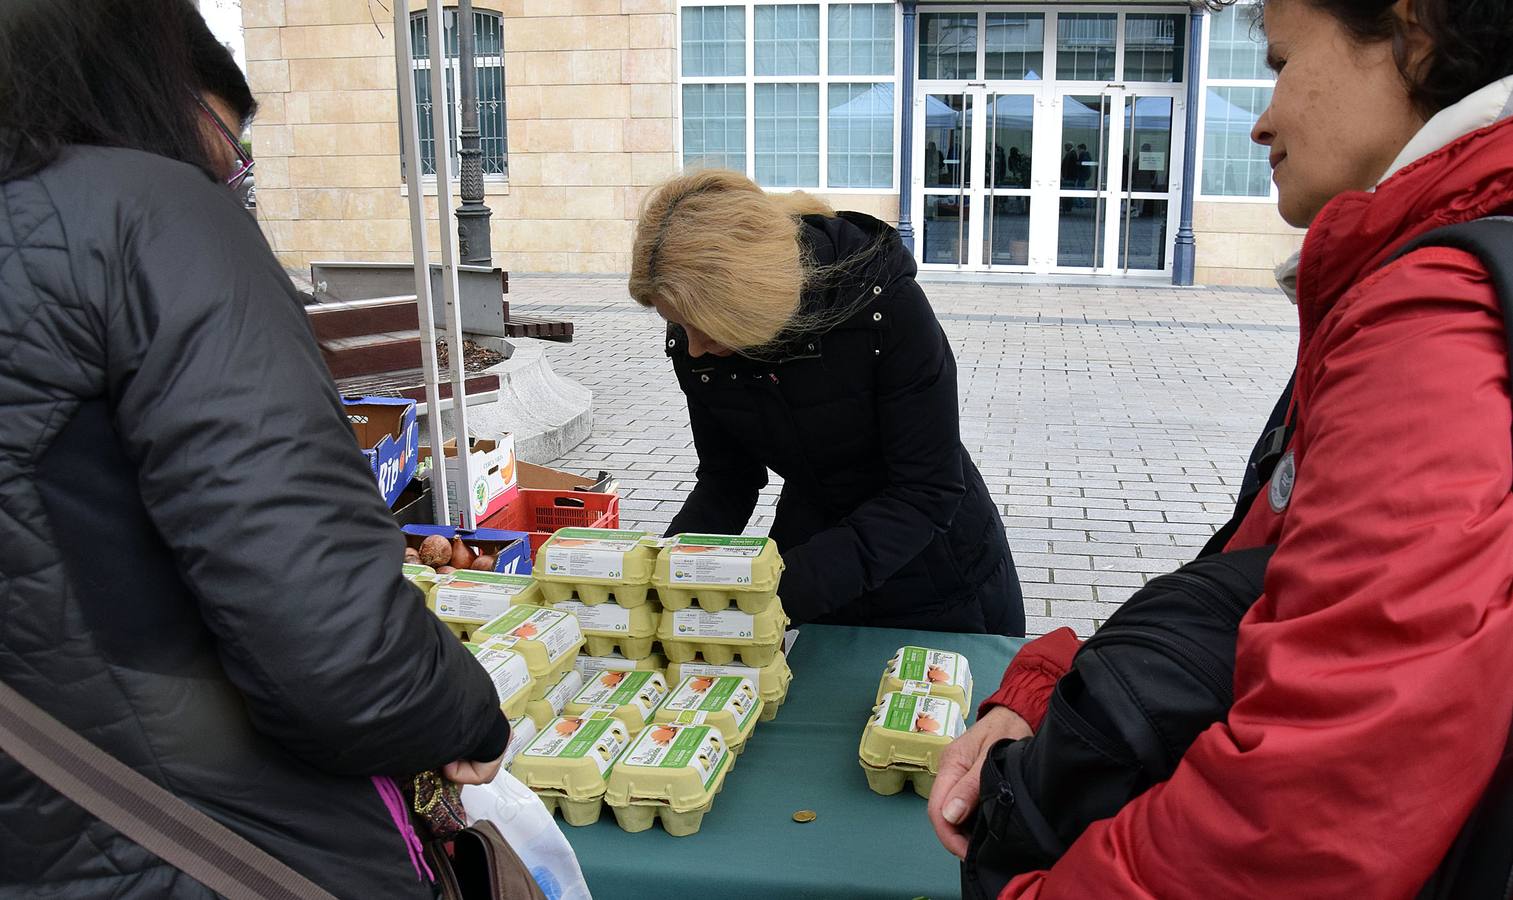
x=1203, y=589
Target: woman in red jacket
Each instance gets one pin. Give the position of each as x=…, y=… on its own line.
x=1374, y=677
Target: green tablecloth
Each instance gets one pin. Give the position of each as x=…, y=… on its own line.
x=861, y=845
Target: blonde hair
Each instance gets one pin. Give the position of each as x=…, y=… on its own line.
x=724, y=255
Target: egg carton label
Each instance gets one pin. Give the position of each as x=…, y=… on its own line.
x=564, y=690
x=590, y=552
x=556, y=631
x=687, y=669
x=694, y=623
x=916, y=687
x=714, y=559
x=707, y=694
x=699, y=747
x=931, y=666
x=522, y=731
x=640, y=689
x=915, y=714
x=606, y=617
x=507, y=669
x=588, y=666
x=576, y=737
x=481, y=597
x=691, y=717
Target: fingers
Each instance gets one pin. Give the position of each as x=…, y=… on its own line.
x=465, y=771
x=945, y=816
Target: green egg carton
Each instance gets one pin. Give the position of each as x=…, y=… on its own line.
x=905, y=737
x=548, y=639
x=413, y=571
x=597, y=566
x=728, y=702
x=522, y=731
x=566, y=764
x=511, y=676
x=772, y=680
x=671, y=772
x=631, y=697
x=939, y=673
x=550, y=707
x=588, y=665
x=609, y=627
x=715, y=571
x=719, y=637
x=471, y=599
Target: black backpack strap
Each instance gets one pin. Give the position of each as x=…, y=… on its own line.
x=1489, y=240
x=1263, y=461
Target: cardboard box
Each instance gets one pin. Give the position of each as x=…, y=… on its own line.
x=494, y=474
x=541, y=478
x=385, y=430
x=413, y=506
x=510, y=549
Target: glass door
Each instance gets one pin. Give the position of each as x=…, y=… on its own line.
x=1083, y=197
x=945, y=213
x=1146, y=201
x=1007, y=195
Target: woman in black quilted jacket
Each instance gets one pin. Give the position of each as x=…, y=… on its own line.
x=196, y=570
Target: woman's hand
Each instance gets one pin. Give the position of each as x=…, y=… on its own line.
x=467, y=771
x=954, y=796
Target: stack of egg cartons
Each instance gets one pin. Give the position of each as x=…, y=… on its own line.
x=547, y=640
x=921, y=706
x=720, y=601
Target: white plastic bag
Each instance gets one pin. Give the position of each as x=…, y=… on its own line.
x=532, y=832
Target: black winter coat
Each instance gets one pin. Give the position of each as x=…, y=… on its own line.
x=883, y=519
x=196, y=570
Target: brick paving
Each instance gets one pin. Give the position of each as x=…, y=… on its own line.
x=1111, y=424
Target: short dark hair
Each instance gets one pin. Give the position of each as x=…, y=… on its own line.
x=113, y=73
x=1472, y=43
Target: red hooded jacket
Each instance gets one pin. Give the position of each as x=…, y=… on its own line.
x=1374, y=677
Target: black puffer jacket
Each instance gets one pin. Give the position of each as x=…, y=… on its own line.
x=884, y=519
x=196, y=570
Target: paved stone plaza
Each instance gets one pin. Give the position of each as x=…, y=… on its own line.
x=1111, y=424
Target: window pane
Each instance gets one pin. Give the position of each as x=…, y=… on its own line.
x=1016, y=46
x=491, y=119
x=489, y=42
x=714, y=40
x=948, y=45
x=1236, y=47
x=861, y=135
x=1233, y=166
x=1085, y=46
x=1154, y=47
x=714, y=126
x=787, y=123
x=787, y=40
x=861, y=39
x=423, y=121
x=488, y=36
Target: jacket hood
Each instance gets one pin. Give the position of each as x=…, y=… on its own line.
x=1467, y=179
x=854, y=253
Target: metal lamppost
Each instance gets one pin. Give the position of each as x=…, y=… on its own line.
x=474, y=242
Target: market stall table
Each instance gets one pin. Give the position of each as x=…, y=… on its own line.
x=860, y=844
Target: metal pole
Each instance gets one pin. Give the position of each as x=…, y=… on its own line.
x=441, y=125
x=1184, y=256
x=906, y=131
x=474, y=243
x=409, y=148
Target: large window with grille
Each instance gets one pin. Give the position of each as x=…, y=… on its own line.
x=1238, y=88
x=488, y=27
x=795, y=95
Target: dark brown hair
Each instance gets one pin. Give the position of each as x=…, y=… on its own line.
x=1471, y=43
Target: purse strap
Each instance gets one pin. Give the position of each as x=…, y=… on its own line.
x=129, y=802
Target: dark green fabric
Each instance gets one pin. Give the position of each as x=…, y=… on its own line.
x=861, y=845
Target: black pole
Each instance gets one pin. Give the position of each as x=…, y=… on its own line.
x=474, y=244
x=906, y=132
x=1184, y=256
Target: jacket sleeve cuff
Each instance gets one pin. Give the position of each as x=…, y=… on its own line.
x=1032, y=675
x=493, y=743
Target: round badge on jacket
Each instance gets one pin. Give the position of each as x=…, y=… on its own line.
x=1282, y=481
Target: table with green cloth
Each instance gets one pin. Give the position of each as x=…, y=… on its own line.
x=860, y=844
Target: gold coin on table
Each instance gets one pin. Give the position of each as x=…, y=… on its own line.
x=804, y=815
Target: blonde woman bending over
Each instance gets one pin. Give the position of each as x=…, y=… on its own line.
x=805, y=347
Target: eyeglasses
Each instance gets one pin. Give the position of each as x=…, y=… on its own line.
x=244, y=159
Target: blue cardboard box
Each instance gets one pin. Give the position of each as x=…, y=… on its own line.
x=511, y=549
x=386, y=431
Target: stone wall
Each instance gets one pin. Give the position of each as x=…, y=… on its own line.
x=1240, y=243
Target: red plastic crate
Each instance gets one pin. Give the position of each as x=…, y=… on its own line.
x=541, y=513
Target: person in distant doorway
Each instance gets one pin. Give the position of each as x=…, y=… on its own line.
x=1071, y=169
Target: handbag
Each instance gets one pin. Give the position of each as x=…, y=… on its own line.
x=468, y=862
